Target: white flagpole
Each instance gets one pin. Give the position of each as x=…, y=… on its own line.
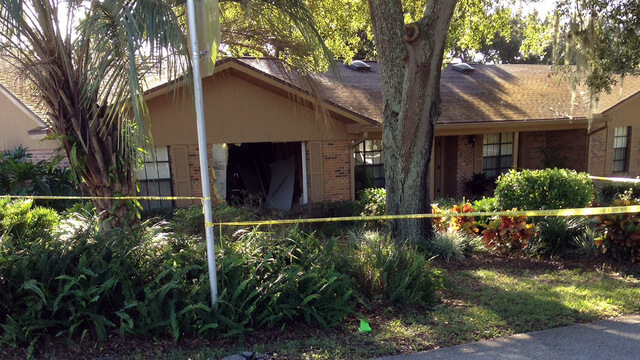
x=202, y=147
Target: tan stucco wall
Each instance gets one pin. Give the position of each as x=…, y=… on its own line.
x=237, y=111
x=14, y=125
x=626, y=113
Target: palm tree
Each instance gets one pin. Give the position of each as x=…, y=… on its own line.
x=88, y=60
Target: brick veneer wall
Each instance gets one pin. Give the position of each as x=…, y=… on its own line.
x=563, y=149
x=193, y=155
x=336, y=170
x=568, y=149
x=597, y=153
x=532, y=150
x=47, y=155
x=466, y=159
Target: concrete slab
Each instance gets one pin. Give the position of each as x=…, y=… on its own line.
x=602, y=340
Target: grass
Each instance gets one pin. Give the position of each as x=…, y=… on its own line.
x=484, y=298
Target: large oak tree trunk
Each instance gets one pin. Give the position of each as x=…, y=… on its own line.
x=410, y=58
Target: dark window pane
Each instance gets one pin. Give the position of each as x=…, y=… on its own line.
x=497, y=153
x=369, y=160
x=154, y=179
x=506, y=162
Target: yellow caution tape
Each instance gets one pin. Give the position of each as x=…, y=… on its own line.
x=556, y=212
x=615, y=179
x=44, y=197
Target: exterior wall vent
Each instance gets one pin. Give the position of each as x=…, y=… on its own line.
x=463, y=68
x=359, y=65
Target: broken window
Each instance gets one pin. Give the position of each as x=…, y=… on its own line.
x=268, y=173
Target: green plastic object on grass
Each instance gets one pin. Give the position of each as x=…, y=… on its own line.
x=364, y=326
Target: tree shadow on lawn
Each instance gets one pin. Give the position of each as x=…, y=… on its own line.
x=493, y=301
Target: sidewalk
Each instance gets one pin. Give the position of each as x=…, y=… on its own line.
x=602, y=340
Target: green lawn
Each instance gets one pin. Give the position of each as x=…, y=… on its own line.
x=487, y=301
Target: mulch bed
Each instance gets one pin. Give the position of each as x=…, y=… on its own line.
x=116, y=347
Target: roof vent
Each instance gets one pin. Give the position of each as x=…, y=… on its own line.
x=463, y=68
x=359, y=65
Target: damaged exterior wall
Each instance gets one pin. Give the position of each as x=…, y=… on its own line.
x=238, y=111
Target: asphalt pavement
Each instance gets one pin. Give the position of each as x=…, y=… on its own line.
x=616, y=339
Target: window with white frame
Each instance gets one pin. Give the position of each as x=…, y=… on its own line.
x=497, y=153
x=621, y=148
x=369, y=164
x=154, y=178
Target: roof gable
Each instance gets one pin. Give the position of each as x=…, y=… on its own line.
x=20, y=94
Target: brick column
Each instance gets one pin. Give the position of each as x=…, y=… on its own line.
x=336, y=170
x=466, y=160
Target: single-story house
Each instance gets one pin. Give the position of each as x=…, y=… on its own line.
x=292, y=139
x=21, y=117
x=494, y=118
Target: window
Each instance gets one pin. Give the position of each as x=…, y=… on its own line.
x=497, y=153
x=621, y=148
x=369, y=164
x=154, y=179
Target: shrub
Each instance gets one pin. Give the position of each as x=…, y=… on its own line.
x=327, y=209
x=479, y=184
x=89, y=283
x=544, y=189
x=451, y=223
x=269, y=278
x=20, y=176
x=446, y=203
x=388, y=271
x=584, y=244
x=557, y=235
x=619, y=234
x=150, y=281
x=508, y=234
x=20, y=221
x=190, y=220
x=607, y=193
x=450, y=246
x=486, y=204
x=373, y=201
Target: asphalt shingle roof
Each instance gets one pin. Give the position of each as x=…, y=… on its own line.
x=22, y=90
x=491, y=93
